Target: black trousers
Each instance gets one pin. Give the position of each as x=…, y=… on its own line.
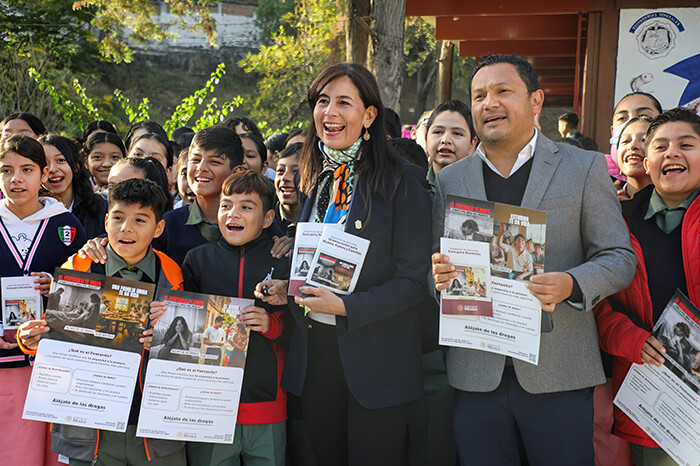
x=341, y=430
x=510, y=426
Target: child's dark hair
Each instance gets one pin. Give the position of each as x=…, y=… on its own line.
x=453, y=106
x=98, y=138
x=82, y=187
x=644, y=118
x=524, y=68
x=32, y=120
x=248, y=125
x=152, y=170
x=146, y=193
x=25, y=146
x=291, y=150
x=294, y=133
x=222, y=139
x=151, y=126
x=98, y=125
x=276, y=142
x=248, y=181
x=680, y=114
x=259, y=144
x=409, y=150
x=183, y=136
x=182, y=158
x=160, y=140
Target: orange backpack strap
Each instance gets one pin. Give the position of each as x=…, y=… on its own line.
x=171, y=270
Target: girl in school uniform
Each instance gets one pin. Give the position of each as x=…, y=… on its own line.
x=37, y=234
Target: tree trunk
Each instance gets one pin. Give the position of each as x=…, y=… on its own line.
x=356, y=15
x=443, y=92
x=385, y=53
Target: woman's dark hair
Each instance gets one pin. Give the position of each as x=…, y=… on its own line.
x=377, y=160
x=151, y=126
x=162, y=141
x=32, y=120
x=259, y=144
x=99, y=138
x=98, y=125
x=453, y=106
x=248, y=125
x=153, y=170
x=276, y=142
x=25, y=146
x=171, y=330
x=82, y=187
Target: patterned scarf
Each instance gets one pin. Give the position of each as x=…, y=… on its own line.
x=335, y=183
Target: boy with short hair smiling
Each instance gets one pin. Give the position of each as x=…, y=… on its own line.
x=664, y=224
x=134, y=218
x=234, y=266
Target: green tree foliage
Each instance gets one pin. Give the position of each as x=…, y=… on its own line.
x=290, y=64
x=137, y=20
x=268, y=18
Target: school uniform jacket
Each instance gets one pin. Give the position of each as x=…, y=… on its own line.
x=227, y=270
x=618, y=333
x=379, y=340
x=57, y=238
x=82, y=443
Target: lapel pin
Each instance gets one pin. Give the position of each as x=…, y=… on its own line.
x=358, y=225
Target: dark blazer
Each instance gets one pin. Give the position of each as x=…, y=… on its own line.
x=379, y=339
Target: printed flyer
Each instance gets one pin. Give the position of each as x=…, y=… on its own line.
x=337, y=262
x=195, y=371
x=515, y=247
x=20, y=303
x=306, y=241
x=665, y=401
x=87, y=365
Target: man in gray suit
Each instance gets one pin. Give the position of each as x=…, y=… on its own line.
x=507, y=409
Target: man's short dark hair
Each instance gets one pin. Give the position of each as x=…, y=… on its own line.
x=678, y=114
x=248, y=181
x=453, y=106
x=571, y=119
x=525, y=69
x=222, y=139
x=219, y=319
x=471, y=224
x=146, y=193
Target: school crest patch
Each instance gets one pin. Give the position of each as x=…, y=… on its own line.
x=66, y=234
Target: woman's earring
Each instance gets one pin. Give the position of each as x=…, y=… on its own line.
x=366, y=136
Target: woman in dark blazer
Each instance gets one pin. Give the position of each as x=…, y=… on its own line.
x=355, y=360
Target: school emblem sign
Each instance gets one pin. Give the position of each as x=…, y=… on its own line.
x=66, y=234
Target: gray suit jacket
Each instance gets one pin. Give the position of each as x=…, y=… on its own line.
x=586, y=237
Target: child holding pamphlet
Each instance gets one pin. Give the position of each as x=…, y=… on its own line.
x=38, y=234
x=664, y=224
x=235, y=264
x=134, y=218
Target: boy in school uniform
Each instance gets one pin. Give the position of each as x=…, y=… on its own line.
x=234, y=265
x=134, y=218
x=664, y=224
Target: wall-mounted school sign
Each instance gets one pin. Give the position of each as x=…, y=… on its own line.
x=659, y=53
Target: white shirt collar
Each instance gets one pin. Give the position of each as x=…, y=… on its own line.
x=523, y=156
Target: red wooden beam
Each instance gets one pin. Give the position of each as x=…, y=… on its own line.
x=495, y=7
x=525, y=48
x=506, y=27
x=558, y=89
x=543, y=63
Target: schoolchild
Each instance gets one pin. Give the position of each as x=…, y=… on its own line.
x=664, y=224
x=153, y=145
x=245, y=210
x=101, y=152
x=147, y=168
x=254, y=153
x=97, y=126
x=134, y=218
x=630, y=156
x=287, y=206
x=185, y=196
x=69, y=182
x=37, y=235
x=21, y=124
